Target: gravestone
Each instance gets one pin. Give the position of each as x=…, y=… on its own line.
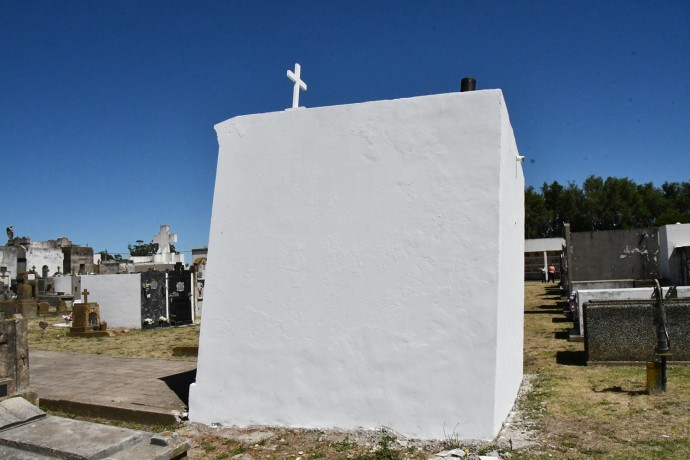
x=44, y=309
x=153, y=297
x=62, y=307
x=86, y=320
x=14, y=359
x=26, y=303
x=366, y=270
x=180, y=292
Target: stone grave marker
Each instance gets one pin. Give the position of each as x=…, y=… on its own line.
x=86, y=319
x=14, y=359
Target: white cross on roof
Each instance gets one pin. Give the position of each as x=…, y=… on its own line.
x=299, y=84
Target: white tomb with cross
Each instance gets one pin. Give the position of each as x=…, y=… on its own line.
x=163, y=254
x=163, y=240
x=367, y=269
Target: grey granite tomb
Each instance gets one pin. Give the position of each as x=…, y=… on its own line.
x=624, y=331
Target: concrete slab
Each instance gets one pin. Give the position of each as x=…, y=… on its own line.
x=152, y=391
x=17, y=454
x=16, y=411
x=67, y=438
x=56, y=437
x=30, y=434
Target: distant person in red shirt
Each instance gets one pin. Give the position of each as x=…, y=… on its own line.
x=552, y=273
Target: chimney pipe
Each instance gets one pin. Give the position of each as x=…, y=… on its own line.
x=468, y=84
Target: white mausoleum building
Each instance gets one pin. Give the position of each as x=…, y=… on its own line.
x=367, y=269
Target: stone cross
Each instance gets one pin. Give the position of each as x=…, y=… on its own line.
x=85, y=294
x=163, y=239
x=299, y=84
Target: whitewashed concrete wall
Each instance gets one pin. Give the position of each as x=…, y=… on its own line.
x=670, y=237
x=8, y=259
x=119, y=298
x=358, y=255
x=63, y=283
x=511, y=263
x=37, y=257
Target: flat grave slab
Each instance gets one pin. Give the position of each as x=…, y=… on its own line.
x=42, y=436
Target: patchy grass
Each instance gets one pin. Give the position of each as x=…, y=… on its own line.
x=133, y=343
x=596, y=411
x=581, y=412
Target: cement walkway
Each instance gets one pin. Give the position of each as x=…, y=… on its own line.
x=152, y=391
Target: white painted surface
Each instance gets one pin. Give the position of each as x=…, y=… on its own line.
x=163, y=239
x=671, y=237
x=299, y=84
x=366, y=259
x=119, y=298
x=544, y=244
x=62, y=283
x=35, y=256
x=583, y=296
x=511, y=263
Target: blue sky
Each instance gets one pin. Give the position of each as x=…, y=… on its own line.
x=107, y=108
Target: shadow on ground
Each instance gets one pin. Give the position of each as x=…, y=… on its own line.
x=179, y=383
x=561, y=335
x=617, y=389
x=571, y=358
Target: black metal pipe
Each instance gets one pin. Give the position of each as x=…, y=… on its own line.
x=468, y=84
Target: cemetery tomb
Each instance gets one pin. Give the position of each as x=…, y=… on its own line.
x=119, y=297
x=367, y=269
x=624, y=330
x=181, y=310
x=153, y=298
x=674, y=254
x=610, y=259
x=86, y=320
x=583, y=296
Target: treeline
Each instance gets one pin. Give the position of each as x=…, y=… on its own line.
x=604, y=204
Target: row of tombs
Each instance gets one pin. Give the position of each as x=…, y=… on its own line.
x=628, y=292
x=137, y=300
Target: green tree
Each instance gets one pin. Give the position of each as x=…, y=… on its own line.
x=145, y=249
x=142, y=249
x=537, y=217
x=604, y=204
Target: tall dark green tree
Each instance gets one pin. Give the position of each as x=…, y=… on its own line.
x=604, y=204
x=537, y=217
